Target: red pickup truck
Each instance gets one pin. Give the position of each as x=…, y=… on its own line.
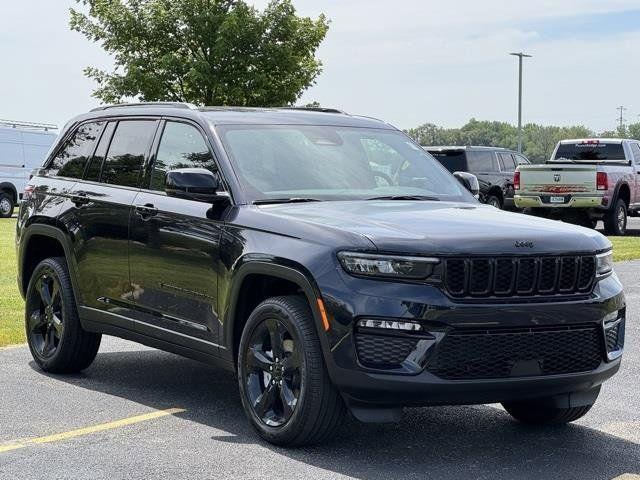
x=585, y=180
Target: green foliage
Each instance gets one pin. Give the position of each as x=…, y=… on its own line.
x=538, y=141
x=206, y=52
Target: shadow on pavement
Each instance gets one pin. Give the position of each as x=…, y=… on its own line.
x=440, y=442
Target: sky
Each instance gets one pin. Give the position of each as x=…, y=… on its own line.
x=405, y=61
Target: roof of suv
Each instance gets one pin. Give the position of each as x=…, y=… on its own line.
x=462, y=147
x=239, y=115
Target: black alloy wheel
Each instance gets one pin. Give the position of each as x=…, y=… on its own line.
x=45, y=324
x=272, y=372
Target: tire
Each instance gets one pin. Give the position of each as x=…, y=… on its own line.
x=6, y=205
x=615, y=220
x=267, y=394
x=56, y=339
x=533, y=412
x=494, y=201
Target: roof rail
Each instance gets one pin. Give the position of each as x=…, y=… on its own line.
x=317, y=109
x=147, y=104
x=35, y=126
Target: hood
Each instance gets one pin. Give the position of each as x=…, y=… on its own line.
x=430, y=228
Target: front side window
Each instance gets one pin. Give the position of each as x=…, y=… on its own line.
x=72, y=158
x=181, y=146
x=635, y=150
x=127, y=151
x=506, y=162
x=334, y=163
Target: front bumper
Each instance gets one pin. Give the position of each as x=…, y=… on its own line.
x=414, y=383
x=573, y=201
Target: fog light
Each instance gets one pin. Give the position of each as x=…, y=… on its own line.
x=390, y=325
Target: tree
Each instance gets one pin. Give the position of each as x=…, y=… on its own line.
x=206, y=52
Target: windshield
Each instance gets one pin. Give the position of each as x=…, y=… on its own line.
x=334, y=163
x=590, y=151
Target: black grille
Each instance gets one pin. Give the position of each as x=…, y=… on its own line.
x=383, y=351
x=519, y=276
x=500, y=353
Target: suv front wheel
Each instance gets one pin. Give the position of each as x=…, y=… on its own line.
x=284, y=385
x=56, y=339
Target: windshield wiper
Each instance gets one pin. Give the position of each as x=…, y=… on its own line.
x=406, y=197
x=267, y=201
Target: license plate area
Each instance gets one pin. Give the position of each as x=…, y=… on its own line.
x=556, y=199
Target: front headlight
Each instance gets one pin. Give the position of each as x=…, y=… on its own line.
x=387, y=266
x=604, y=263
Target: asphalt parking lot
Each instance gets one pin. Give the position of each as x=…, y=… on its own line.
x=142, y=413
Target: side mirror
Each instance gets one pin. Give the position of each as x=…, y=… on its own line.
x=469, y=181
x=197, y=184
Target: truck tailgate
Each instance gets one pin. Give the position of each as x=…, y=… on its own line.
x=562, y=179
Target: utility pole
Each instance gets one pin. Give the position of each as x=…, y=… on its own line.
x=520, y=56
x=621, y=118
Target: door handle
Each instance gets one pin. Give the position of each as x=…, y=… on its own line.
x=80, y=198
x=146, y=211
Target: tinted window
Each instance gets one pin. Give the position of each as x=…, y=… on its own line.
x=482, y=161
x=71, y=160
x=507, y=163
x=521, y=159
x=590, y=151
x=635, y=149
x=453, y=160
x=181, y=146
x=128, y=147
x=95, y=164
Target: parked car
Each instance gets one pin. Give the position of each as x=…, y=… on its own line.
x=23, y=147
x=272, y=243
x=493, y=166
x=585, y=180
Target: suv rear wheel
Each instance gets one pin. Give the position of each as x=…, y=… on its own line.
x=494, y=201
x=6, y=205
x=534, y=412
x=56, y=339
x=615, y=220
x=284, y=385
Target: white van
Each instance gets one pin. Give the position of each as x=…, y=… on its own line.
x=23, y=147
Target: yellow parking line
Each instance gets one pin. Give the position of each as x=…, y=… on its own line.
x=17, y=444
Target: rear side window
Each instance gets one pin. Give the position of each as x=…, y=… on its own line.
x=181, y=146
x=482, y=161
x=72, y=158
x=507, y=163
x=452, y=160
x=95, y=164
x=127, y=151
x=590, y=151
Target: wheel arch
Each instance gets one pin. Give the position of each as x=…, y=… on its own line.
x=622, y=191
x=10, y=188
x=40, y=241
x=244, y=297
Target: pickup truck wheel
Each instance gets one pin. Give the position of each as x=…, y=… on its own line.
x=533, y=413
x=56, y=339
x=284, y=385
x=6, y=205
x=615, y=220
x=494, y=201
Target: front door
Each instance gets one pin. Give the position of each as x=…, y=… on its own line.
x=174, y=246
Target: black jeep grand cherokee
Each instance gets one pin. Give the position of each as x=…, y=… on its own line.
x=326, y=258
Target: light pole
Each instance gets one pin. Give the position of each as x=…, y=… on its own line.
x=520, y=57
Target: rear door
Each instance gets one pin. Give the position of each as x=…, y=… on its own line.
x=175, y=243
x=507, y=169
x=100, y=219
x=484, y=165
x=635, y=164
